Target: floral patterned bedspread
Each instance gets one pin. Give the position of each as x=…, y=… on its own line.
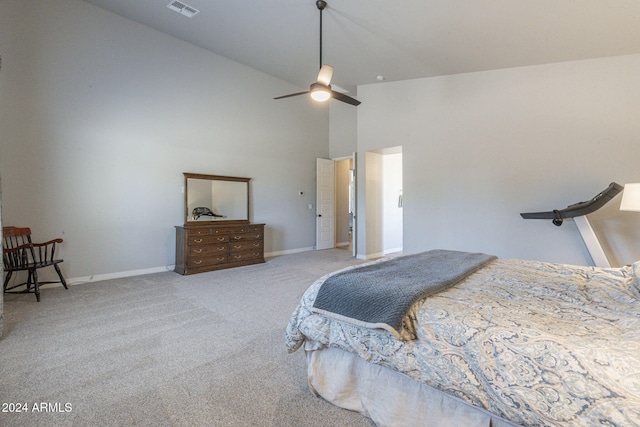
x=536, y=343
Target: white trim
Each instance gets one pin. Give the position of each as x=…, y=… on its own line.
x=337, y=159
x=289, y=252
x=372, y=256
x=397, y=251
x=118, y=275
x=131, y=273
x=390, y=251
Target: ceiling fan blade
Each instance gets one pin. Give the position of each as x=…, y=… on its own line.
x=291, y=94
x=325, y=74
x=344, y=98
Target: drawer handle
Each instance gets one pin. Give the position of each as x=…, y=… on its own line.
x=237, y=237
x=257, y=236
x=221, y=239
x=197, y=261
x=222, y=248
x=237, y=246
x=198, y=251
x=220, y=259
x=198, y=240
x=237, y=256
x=256, y=244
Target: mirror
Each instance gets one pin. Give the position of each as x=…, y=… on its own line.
x=215, y=198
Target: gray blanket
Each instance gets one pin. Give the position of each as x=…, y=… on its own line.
x=379, y=295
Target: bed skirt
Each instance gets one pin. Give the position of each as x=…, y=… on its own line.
x=387, y=397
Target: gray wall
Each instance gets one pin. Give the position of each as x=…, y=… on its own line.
x=343, y=131
x=100, y=116
x=481, y=148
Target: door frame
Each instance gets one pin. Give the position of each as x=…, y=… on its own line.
x=353, y=197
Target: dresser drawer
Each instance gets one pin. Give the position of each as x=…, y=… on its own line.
x=206, y=240
x=201, y=231
x=207, y=250
x=245, y=236
x=208, y=260
x=231, y=229
x=245, y=255
x=246, y=245
x=254, y=228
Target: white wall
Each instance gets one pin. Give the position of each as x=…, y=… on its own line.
x=481, y=148
x=100, y=116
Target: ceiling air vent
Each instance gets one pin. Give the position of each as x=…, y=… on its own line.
x=183, y=9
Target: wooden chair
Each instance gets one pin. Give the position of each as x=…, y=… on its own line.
x=20, y=254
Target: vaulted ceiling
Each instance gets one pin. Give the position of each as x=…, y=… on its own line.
x=396, y=40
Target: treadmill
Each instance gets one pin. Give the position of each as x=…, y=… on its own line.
x=578, y=212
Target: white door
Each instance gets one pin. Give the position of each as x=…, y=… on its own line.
x=325, y=204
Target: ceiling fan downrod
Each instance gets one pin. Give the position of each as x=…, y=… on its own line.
x=321, y=4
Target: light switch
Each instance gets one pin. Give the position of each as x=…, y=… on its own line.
x=309, y=206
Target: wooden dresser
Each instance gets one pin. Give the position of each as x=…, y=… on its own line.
x=212, y=246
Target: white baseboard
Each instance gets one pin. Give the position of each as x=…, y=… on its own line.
x=390, y=251
x=288, y=252
x=371, y=256
x=118, y=275
x=379, y=254
x=131, y=273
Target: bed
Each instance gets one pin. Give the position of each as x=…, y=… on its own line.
x=513, y=343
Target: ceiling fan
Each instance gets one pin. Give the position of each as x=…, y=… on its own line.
x=321, y=89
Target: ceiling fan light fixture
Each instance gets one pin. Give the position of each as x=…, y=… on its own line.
x=320, y=95
x=320, y=92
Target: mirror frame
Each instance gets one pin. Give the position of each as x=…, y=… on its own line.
x=188, y=175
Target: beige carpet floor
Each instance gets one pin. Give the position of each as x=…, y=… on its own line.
x=166, y=350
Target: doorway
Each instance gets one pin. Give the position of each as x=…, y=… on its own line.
x=336, y=204
x=383, y=202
